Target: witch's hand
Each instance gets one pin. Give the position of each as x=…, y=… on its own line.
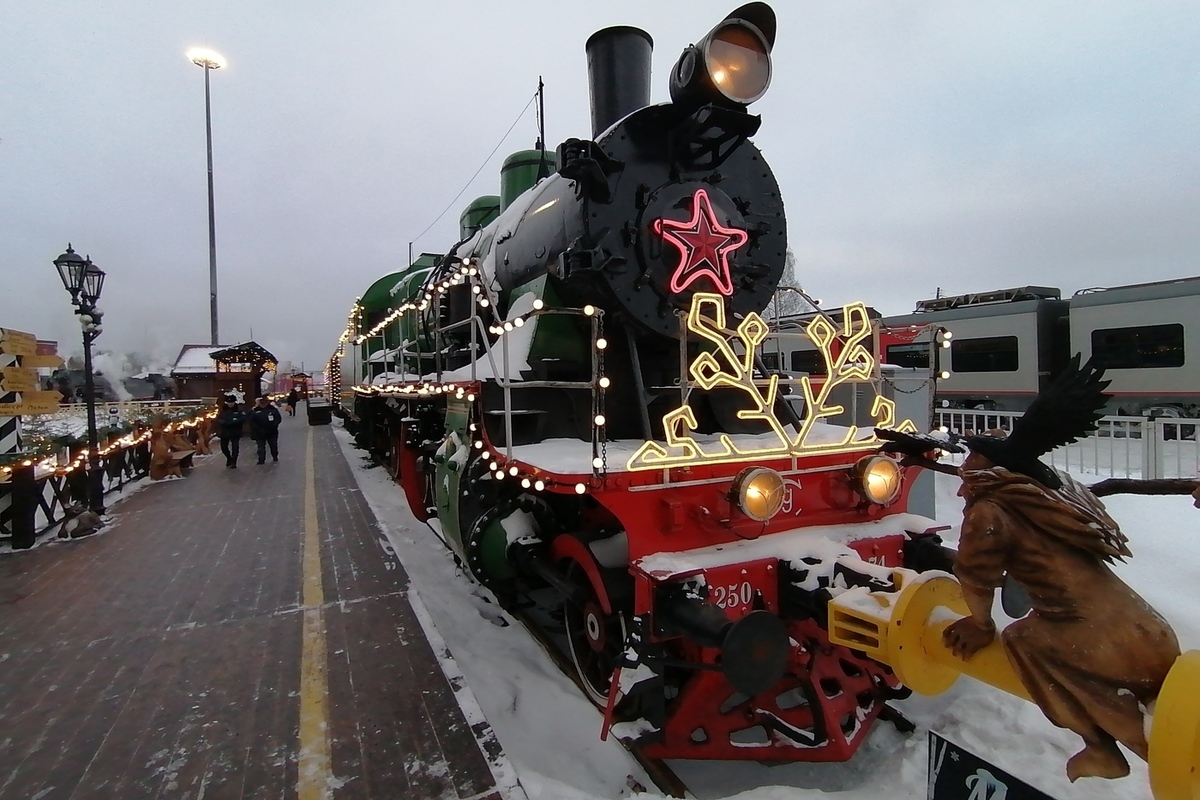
x=968, y=636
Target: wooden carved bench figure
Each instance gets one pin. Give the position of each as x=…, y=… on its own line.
x=168, y=451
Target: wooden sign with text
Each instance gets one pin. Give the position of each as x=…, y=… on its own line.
x=17, y=343
x=39, y=361
x=32, y=403
x=24, y=409
x=18, y=379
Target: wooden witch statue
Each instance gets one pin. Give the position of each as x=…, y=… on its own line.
x=1091, y=653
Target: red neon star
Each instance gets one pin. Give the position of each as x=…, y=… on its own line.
x=704, y=246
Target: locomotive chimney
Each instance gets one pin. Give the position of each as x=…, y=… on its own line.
x=618, y=74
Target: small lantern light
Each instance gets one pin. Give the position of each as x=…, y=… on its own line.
x=71, y=266
x=93, y=282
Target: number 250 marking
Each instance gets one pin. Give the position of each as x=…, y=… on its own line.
x=733, y=595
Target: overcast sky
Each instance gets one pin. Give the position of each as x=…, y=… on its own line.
x=961, y=145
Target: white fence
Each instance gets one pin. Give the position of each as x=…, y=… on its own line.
x=1122, y=447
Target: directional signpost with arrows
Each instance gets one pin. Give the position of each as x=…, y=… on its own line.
x=15, y=381
x=19, y=361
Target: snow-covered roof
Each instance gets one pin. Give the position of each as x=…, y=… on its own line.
x=195, y=359
x=244, y=353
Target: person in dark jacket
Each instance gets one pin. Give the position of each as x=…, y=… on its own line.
x=229, y=429
x=264, y=427
x=293, y=397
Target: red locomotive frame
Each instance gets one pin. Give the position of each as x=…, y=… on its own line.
x=823, y=705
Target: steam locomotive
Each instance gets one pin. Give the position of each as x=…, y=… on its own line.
x=575, y=392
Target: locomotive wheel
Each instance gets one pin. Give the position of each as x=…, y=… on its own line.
x=594, y=638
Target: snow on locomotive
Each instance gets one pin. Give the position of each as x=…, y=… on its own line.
x=575, y=392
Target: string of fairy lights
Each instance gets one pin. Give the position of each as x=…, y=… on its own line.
x=466, y=271
x=49, y=462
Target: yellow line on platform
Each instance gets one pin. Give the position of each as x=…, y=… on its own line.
x=315, y=767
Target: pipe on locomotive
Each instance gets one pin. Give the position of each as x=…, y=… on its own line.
x=730, y=64
x=618, y=74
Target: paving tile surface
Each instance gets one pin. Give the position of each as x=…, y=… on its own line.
x=162, y=657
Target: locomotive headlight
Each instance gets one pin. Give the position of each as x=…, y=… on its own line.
x=738, y=63
x=758, y=493
x=731, y=65
x=879, y=479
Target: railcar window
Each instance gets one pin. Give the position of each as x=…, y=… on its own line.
x=809, y=361
x=909, y=355
x=991, y=354
x=1144, y=347
x=771, y=360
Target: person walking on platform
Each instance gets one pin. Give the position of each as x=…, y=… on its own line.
x=293, y=399
x=264, y=427
x=229, y=429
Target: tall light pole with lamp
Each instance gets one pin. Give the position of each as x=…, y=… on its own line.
x=84, y=280
x=209, y=60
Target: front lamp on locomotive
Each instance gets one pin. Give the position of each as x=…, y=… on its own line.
x=732, y=64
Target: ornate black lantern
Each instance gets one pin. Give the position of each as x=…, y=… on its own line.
x=71, y=267
x=92, y=283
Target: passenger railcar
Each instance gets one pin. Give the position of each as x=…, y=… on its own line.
x=1003, y=347
x=997, y=350
x=1147, y=336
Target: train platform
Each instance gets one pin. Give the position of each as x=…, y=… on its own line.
x=241, y=633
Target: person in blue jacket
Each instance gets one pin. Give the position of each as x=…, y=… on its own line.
x=230, y=419
x=264, y=427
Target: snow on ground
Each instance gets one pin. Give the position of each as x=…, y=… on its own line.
x=551, y=732
x=67, y=422
x=548, y=728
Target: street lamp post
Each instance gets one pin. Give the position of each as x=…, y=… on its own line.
x=84, y=280
x=210, y=60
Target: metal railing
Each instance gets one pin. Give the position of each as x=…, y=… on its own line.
x=482, y=348
x=1128, y=447
x=480, y=341
x=51, y=490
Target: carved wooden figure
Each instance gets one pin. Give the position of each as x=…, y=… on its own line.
x=162, y=465
x=1091, y=653
x=167, y=450
x=203, y=435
